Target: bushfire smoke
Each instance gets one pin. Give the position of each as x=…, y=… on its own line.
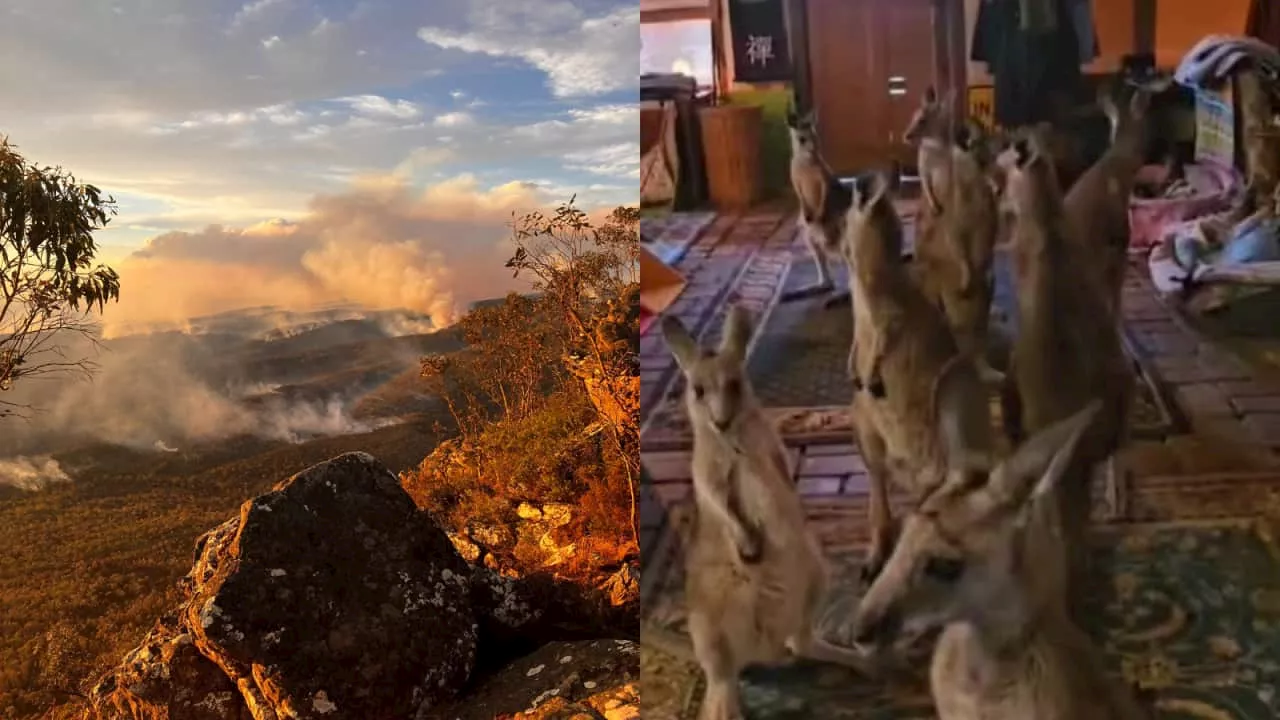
x=34, y=473
x=380, y=245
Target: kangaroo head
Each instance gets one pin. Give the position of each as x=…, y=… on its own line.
x=932, y=117
x=1129, y=124
x=1031, y=190
x=872, y=226
x=717, y=391
x=960, y=554
x=803, y=130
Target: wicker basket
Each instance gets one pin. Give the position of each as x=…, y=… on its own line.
x=731, y=137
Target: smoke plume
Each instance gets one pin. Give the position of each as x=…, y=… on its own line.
x=381, y=245
x=31, y=474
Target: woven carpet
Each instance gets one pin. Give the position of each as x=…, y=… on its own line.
x=1188, y=607
x=798, y=361
x=669, y=236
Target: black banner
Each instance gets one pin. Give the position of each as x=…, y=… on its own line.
x=759, y=34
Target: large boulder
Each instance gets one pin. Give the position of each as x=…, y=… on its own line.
x=330, y=595
x=333, y=596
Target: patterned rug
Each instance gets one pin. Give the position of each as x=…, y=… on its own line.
x=1190, y=609
x=669, y=236
x=798, y=362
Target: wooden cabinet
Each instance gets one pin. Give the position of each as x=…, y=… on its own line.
x=869, y=63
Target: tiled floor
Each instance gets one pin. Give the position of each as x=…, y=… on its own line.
x=1234, y=414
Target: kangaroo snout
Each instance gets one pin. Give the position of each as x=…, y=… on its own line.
x=874, y=630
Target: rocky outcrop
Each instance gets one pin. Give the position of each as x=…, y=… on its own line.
x=585, y=679
x=166, y=678
x=332, y=596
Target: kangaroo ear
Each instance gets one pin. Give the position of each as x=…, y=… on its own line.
x=1107, y=102
x=930, y=95
x=869, y=189
x=739, y=326
x=962, y=416
x=683, y=347
x=1023, y=152
x=792, y=121
x=1141, y=101
x=1034, y=469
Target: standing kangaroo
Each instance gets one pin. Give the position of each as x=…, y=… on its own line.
x=956, y=227
x=755, y=577
x=1098, y=202
x=982, y=559
x=1067, y=348
x=901, y=346
x=823, y=203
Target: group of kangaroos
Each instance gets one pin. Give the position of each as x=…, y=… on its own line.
x=987, y=569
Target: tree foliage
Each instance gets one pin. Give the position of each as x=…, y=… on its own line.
x=546, y=395
x=49, y=284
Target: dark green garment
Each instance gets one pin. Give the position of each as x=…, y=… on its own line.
x=1029, y=68
x=1038, y=15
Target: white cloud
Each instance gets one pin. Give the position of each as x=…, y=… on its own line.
x=254, y=11
x=378, y=106
x=620, y=160
x=581, y=56
x=453, y=119
x=187, y=114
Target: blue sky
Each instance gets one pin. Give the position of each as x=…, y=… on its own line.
x=225, y=116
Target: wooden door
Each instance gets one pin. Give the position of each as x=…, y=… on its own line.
x=846, y=82
x=861, y=51
x=909, y=38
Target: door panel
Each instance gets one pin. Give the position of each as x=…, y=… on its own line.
x=844, y=64
x=911, y=65
x=855, y=47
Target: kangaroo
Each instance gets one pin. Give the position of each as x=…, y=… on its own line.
x=755, y=577
x=823, y=203
x=981, y=559
x=1098, y=202
x=956, y=227
x=901, y=345
x=1067, y=347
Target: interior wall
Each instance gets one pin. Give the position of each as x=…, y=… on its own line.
x=1180, y=24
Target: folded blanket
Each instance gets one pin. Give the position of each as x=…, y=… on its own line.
x=1217, y=56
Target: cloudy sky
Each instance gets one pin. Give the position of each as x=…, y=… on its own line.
x=322, y=144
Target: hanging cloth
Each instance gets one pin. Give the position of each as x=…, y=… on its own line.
x=1038, y=16
x=1033, y=72
x=1086, y=32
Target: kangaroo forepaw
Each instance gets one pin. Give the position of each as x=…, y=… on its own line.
x=805, y=293
x=843, y=297
x=871, y=568
x=751, y=546
x=882, y=542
